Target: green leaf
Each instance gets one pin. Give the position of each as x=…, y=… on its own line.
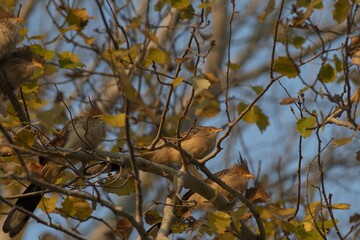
x=227, y=236
x=199, y=83
x=147, y=32
x=24, y=138
x=338, y=64
x=327, y=73
x=179, y=4
x=255, y=115
x=303, y=125
x=187, y=13
x=234, y=66
x=78, y=17
x=117, y=121
x=207, y=108
x=298, y=41
x=159, y=5
x=257, y=89
x=48, y=205
x=30, y=87
x=178, y=227
x=218, y=221
x=76, y=207
x=268, y=9
x=156, y=55
x=284, y=66
x=305, y=3
x=341, y=10
x=288, y=226
x=205, y=5
x=284, y=212
x=152, y=217
x=119, y=186
x=176, y=82
x=342, y=141
x=69, y=60
x=39, y=50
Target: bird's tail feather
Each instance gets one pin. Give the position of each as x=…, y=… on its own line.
x=17, y=219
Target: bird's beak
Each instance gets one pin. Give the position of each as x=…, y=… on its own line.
x=17, y=20
x=217, y=130
x=38, y=64
x=248, y=175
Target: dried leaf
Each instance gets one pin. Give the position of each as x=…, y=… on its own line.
x=124, y=228
x=354, y=218
x=288, y=100
x=342, y=141
x=257, y=195
x=152, y=217
x=199, y=83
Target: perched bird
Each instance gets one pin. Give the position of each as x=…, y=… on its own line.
x=237, y=177
x=20, y=67
x=199, y=141
x=9, y=33
x=85, y=131
x=16, y=70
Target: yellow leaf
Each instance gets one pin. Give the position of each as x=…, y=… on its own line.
x=24, y=138
x=342, y=141
x=135, y=23
x=156, y=55
x=76, y=207
x=340, y=206
x=207, y=105
x=48, y=205
x=30, y=87
x=199, y=83
x=119, y=186
x=305, y=126
x=255, y=115
x=284, y=212
x=78, y=17
x=285, y=66
x=115, y=120
x=69, y=60
x=176, y=82
x=179, y=4
x=219, y=221
x=151, y=36
x=341, y=10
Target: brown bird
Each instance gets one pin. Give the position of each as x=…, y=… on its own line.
x=20, y=67
x=237, y=177
x=85, y=131
x=199, y=141
x=9, y=33
x=17, y=69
